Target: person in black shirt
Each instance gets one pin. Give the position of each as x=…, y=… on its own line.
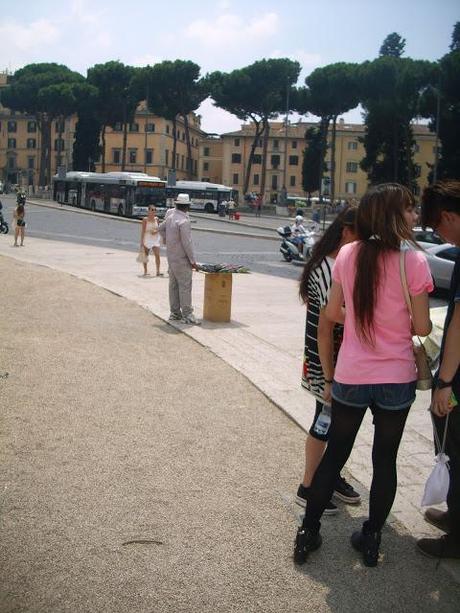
x=441, y=211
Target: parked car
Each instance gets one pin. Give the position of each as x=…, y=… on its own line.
x=441, y=259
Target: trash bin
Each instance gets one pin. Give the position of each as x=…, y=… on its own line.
x=236, y=216
x=217, y=304
x=222, y=209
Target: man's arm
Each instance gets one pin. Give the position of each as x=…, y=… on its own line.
x=449, y=365
x=162, y=230
x=185, y=231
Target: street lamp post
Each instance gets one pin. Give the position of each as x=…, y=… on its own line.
x=436, y=150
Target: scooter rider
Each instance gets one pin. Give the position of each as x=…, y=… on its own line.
x=298, y=233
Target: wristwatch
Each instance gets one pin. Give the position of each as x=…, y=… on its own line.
x=441, y=384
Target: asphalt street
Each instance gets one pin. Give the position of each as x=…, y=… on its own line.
x=259, y=255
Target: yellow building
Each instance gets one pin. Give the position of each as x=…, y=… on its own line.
x=350, y=180
x=150, y=146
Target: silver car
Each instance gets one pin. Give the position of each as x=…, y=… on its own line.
x=441, y=259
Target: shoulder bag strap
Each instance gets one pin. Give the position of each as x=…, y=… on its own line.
x=402, y=272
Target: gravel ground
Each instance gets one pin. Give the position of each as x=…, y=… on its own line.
x=114, y=427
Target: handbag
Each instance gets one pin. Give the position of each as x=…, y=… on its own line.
x=422, y=362
x=142, y=257
x=437, y=484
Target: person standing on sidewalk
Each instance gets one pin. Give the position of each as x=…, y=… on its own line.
x=258, y=205
x=375, y=366
x=19, y=224
x=176, y=231
x=322, y=342
x=441, y=211
x=150, y=239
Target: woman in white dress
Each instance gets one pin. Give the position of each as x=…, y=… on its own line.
x=150, y=239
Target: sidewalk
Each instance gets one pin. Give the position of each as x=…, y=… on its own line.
x=264, y=343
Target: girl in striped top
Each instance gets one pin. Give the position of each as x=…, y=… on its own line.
x=322, y=343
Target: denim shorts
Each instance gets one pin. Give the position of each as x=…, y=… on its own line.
x=390, y=396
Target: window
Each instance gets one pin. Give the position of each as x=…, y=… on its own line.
x=235, y=178
x=276, y=144
x=177, y=160
x=132, y=156
x=350, y=187
x=167, y=128
x=60, y=125
x=236, y=142
x=166, y=157
x=195, y=166
x=31, y=126
x=257, y=158
x=149, y=156
x=118, y=127
x=182, y=162
x=294, y=160
x=11, y=163
x=205, y=165
x=236, y=158
x=256, y=179
x=206, y=152
x=183, y=136
x=352, y=145
x=30, y=163
x=116, y=156
x=11, y=143
x=275, y=160
x=294, y=144
x=352, y=166
x=59, y=144
x=31, y=143
x=274, y=181
x=12, y=126
x=292, y=181
x=150, y=127
x=134, y=127
x=205, y=179
x=417, y=170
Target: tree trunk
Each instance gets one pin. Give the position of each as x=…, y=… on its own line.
x=189, y=161
x=324, y=130
x=395, y=152
x=60, y=149
x=334, y=130
x=174, y=123
x=266, y=133
x=103, y=147
x=410, y=177
x=247, y=177
x=45, y=154
x=123, y=152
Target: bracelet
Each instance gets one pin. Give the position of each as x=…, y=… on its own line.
x=328, y=380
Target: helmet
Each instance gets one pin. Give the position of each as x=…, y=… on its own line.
x=299, y=218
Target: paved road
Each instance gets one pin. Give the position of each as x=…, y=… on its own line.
x=260, y=255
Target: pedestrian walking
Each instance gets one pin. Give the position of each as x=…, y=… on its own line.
x=375, y=366
x=441, y=211
x=177, y=233
x=150, y=240
x=322, y=342
x=19, y=224
x=258, y=205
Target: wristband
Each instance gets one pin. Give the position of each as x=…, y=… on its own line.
x=441, y=384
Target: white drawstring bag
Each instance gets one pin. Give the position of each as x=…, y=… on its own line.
x=437, y=485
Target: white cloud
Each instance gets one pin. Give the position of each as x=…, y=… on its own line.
x=85, y=13
x=229, y=30
x=217, y=120
x=148, y=59
x=20, y=37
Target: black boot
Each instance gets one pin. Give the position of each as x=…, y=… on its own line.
x=367, y=542
x=306, y=540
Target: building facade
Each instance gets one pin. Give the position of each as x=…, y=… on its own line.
x=285, y=157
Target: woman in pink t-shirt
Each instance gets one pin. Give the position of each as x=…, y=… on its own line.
x=375, y=366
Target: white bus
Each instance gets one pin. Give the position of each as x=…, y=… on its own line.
x=122, y=193
x=204, y=196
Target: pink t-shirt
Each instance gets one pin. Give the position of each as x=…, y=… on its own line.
x=390, y=359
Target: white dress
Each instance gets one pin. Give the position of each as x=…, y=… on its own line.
x=151, y=236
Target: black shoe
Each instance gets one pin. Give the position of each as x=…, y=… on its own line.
x=345, y=492
x=440, y=519
x=440, y=548
x=301, y=499
x=305, y=541
x=367, y=543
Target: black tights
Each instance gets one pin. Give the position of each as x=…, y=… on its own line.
x=346, y=421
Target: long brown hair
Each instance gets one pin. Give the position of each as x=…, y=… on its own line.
x=380, y=226
x=327, y=244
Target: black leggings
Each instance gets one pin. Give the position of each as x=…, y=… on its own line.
x=346, y=421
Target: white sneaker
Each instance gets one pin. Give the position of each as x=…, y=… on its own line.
x=191, y=319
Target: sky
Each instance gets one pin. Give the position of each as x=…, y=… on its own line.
x=219, y=34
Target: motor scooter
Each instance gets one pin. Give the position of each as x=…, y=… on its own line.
x=288, y=248
x=4, y=228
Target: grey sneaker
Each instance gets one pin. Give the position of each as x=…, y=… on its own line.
x=175, y=317
x=192, y=320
